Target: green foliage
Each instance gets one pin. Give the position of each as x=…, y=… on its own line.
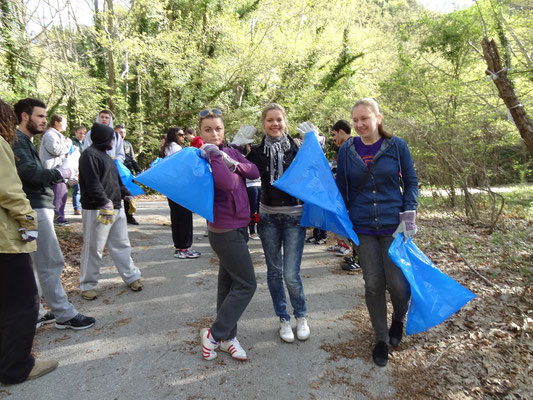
x=158, y=62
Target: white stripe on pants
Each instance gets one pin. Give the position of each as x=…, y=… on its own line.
x=49, y=264
x=95, y=238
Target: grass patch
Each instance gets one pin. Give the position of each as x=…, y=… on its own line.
x=518, y=201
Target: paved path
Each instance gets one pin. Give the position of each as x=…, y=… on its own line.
x=146, y=345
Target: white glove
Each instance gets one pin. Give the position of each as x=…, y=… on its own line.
x=305, y=127
x=28, y=236
x=208, y=149
x=230, y=162
x=407, y=224
x=245, y=135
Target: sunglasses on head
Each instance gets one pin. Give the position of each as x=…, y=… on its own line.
x=210, y=111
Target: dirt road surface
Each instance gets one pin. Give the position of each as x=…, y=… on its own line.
x=145, y=345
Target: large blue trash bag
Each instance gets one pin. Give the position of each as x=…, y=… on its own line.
x=309, y=178
x=435, y=296
x=155, y=162
x=127, y=179
x=185, y=178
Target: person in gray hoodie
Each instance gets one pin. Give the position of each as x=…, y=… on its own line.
x=116, y=151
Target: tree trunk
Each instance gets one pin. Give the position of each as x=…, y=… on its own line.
x=498, y=74
x=111, y=78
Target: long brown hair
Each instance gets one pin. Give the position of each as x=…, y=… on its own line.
x=8, y=122
x=171, y=136
x=373, y=106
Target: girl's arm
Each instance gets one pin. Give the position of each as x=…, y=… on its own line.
x=409, y=178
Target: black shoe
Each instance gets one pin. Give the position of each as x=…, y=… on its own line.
x=131, y=220
x=380, y=355
x=47, y=318
x=350, y=264
x=62, y=223
x=80, y=321
x=395, y=333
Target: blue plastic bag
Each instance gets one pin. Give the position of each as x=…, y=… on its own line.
x=435, y=296
x=310, y=179
x=155, y=162
x=185, y=178
x=127, y=179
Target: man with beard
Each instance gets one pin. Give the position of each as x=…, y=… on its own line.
x=36, y=183
x=104, y=221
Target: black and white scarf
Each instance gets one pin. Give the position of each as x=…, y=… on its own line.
x=275, y=149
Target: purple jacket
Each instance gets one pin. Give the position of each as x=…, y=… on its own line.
x=231, y=208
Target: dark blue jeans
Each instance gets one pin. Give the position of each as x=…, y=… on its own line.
x=380, y=275
x=279, y=231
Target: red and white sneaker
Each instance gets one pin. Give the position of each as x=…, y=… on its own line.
x=209, y=345
x=233, y=347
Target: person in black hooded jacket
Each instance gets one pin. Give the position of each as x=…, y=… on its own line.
x=104, y=221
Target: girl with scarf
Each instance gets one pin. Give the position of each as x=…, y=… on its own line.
x=279, y=225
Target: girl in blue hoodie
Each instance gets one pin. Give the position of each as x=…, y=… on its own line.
x=377, y=179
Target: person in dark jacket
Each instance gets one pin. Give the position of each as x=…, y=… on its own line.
x=36, y=182
x=19, y=302
x=131, y=163
x=279, y=225
x=104, y=221
x=377, y=179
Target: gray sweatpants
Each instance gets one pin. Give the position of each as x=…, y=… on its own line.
x=95, y=238
x=49, y=263
x=236, y=280
x=381, y=274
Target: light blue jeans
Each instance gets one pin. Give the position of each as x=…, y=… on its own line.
x=279, y=231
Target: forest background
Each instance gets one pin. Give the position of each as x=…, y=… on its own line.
x=156, y=63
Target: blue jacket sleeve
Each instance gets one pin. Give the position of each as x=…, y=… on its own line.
x=409, y=178
x=341, y=174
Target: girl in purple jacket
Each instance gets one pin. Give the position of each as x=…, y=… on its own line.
x=228, y=236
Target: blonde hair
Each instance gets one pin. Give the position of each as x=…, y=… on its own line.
x=372, y=105
x=274, y=106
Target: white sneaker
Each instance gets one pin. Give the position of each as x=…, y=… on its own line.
x=335, y=247
x=209, y=345
x=285, y=331
x=254, y=236
x=233, y=347
x=302, y=329
x=342, y=251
